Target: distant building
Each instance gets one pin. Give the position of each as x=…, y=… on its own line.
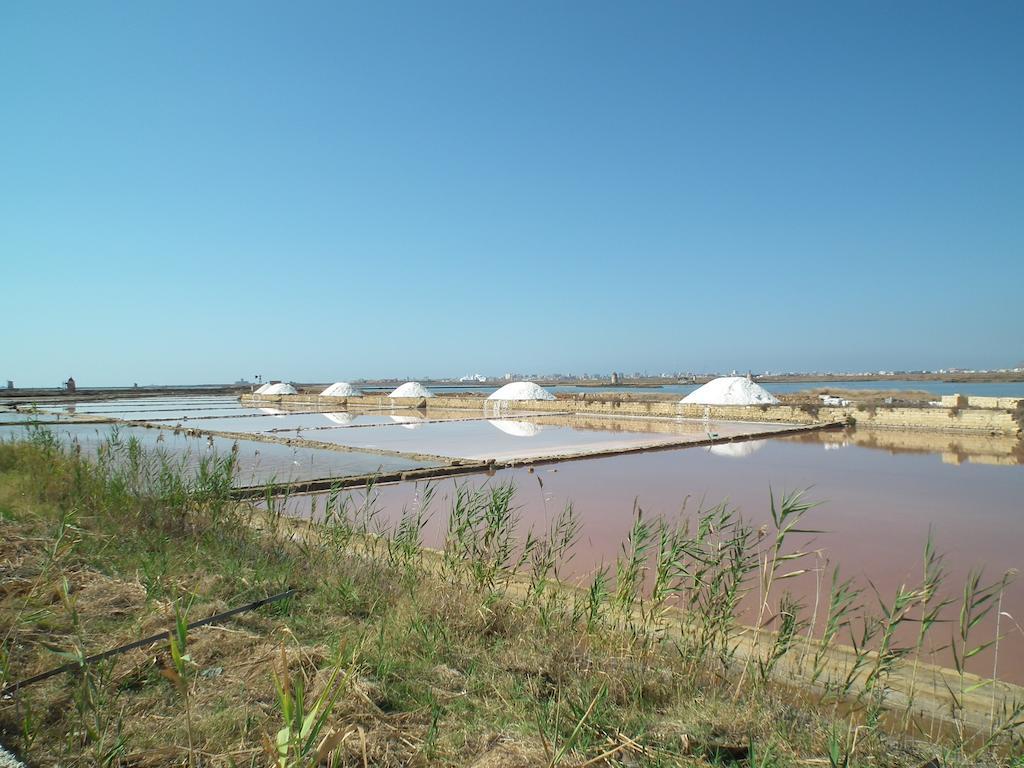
x=10, y=384
x=69, y=385
x=615, y=378
x=831, y=400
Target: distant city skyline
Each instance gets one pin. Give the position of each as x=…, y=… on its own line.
x=197, y=192
x=495, y=379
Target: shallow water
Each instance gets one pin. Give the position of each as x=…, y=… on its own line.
x=157, y=409
x=262, y=422
x=313, y=425
x=521, y=438
x=142, y=403
x=40, y=417
x=258, y=462
x=876, y=507
x=881, y=490
x=103, y=407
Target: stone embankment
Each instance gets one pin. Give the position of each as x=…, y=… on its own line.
x=954, y=413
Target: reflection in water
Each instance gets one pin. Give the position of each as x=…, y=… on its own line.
x=954, y=448
x=276, y=412
x=342, y=418
x=517, y=428
x=255, y=462
x=878, y=508
x=738, y=450
x=481, y=440
x=409, y=422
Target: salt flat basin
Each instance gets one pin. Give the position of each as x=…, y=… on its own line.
x=310, y=425
x=183, y=414
x=162, y=414
x=156, y=409
x=482, y=440
x=877, y=506
x=142, y=409
x=143, y=403
x=290, y=423
x=257, y=462
x=41, y=417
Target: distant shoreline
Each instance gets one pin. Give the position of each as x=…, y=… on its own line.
x=625, y=383
x=650, y=382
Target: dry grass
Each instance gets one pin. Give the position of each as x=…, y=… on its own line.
x=434, y=663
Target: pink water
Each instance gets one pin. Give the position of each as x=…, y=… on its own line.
x=877, y=507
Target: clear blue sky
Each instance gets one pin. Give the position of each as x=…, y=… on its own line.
x=313, y=191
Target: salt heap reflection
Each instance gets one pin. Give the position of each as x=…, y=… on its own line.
x=341, y=418
x=516, y=428
x=738, y=450
x=409, y=422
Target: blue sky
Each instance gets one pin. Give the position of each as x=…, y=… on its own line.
x=203, y=191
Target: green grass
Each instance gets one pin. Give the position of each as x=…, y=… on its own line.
x=395, y=655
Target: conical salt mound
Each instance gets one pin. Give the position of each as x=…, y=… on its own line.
x=340, y=389
x=279, y=389
x=521, y=390
x=731, y=390
x=412, y=389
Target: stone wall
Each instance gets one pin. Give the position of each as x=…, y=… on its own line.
x=1006, y=403
x=976, y=401
x=973, y=418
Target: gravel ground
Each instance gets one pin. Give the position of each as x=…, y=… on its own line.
x=7, y=760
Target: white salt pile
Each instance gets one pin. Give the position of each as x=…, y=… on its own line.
x=412, y=389
x=277, y=389
x=731, y=390
x=516, y=428
x=340, y=389
x=521, y=390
